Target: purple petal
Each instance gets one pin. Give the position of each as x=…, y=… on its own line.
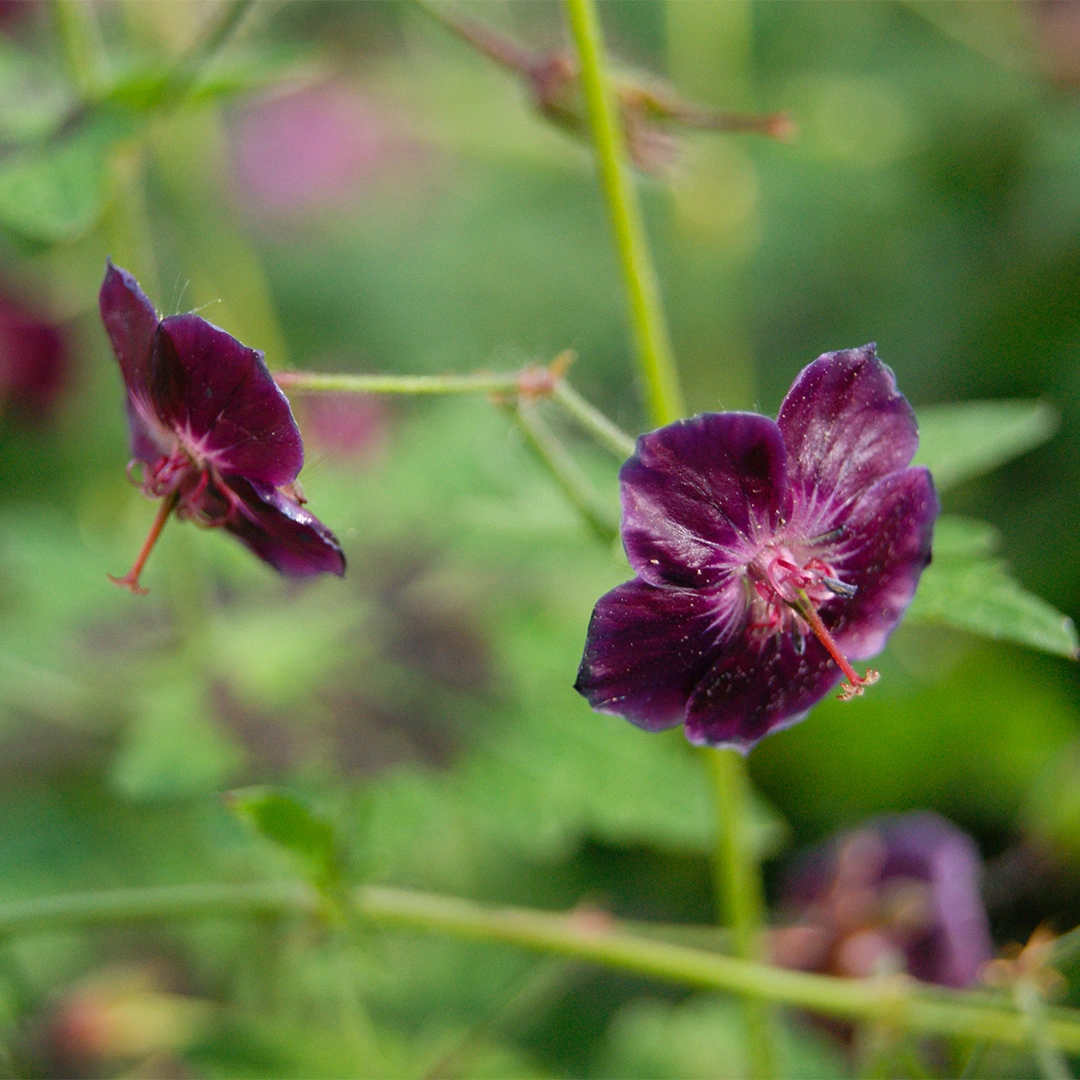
x=221, y=392
x=648, y=647
x=957, y=944
x=756, y=687
x=697, y=493
x=891, y=527
x=845, y=425
x=131, y=322
x=281, y=532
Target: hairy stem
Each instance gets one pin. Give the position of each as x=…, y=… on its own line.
x=656, y=363
x=593, y=420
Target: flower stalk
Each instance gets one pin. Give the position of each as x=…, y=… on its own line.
x=656, y=361
x=590, y=937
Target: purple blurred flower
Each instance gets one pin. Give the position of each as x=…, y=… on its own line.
x=768, y=554
x=901, y=893
x=214, y=433
x=33, y=360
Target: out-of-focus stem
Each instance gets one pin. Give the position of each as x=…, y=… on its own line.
x=307, y=381
x=739, y=891
x=656, y=362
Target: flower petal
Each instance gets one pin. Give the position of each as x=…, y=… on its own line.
x=648, y=647
x=131, y=322
x=890, y=528
x=757, y=687
x=222, y=393
x=845, y=425
x=698, y=493
x=281, y=532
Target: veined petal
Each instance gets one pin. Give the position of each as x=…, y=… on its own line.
x=699, y=493
x=757, y=686
x=221, y=393
x=845, y=425
x=281, y=532
x=890, y=528
x=647, y=648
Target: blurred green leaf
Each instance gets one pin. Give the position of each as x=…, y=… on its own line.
x=55, y=192
x=969, y=587
x=703, y=1039
x=1052, y=814
x=173, y=749
x=287, y=822
x=957, y=442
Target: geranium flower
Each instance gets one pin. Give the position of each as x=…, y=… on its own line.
x=769, y=555
x=899, y=893
x=214, y=434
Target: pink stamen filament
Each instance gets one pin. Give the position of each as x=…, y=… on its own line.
x=131, y=579
x=856, y=683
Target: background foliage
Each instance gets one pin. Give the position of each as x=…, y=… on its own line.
x=931, y=202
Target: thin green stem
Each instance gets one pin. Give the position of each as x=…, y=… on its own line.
x=218, y=34
x=307, y=381
x=656, y=361
x=577, y=486
x=593, y=420
x=589, y=937
x=739, y=890
x=80, y=40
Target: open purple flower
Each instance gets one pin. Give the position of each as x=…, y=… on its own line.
x=214, y=434
x=769, y=555
x=899, y=893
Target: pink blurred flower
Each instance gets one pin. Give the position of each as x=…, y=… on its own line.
x=307, y=149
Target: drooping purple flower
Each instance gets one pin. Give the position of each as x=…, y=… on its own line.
x=768, y=556
x=899, y=893
x=214, y=434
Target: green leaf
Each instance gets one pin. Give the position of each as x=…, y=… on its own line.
x=957, y=442
x=55, y=192
x=287, y=822
x=969, y=587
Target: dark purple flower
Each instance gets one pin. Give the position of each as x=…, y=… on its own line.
x=768, y=556
x=34, y=360
x=900, y=893
x=214, y=434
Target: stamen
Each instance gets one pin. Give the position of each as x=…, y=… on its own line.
x=856, y=683
x=827, y=538
x=839, y=588
x=131, y=579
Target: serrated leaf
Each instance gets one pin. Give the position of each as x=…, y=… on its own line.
x=55, y=192
x=968, y=586
x=287, y=822
x=958, y=442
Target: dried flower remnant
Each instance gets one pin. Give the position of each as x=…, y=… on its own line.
x=769, y=555
x=214, y=434
x=899, y=894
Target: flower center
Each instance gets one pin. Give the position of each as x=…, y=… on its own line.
x=787, y=592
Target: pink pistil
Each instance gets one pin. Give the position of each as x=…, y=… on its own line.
x=131, y=579
x=856, y=683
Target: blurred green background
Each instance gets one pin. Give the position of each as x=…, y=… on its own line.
x=351, y=188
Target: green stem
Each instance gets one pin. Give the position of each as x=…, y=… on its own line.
x=739, y=890
x=593, y=938
x=306, y=381
x=654, y=355
x=1029, y=1001
x=577, y=486
x=80, y=40
x=593, y=420
x=188, y=71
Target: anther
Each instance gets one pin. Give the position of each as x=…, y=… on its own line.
x=839, y=588
x=830, y=537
